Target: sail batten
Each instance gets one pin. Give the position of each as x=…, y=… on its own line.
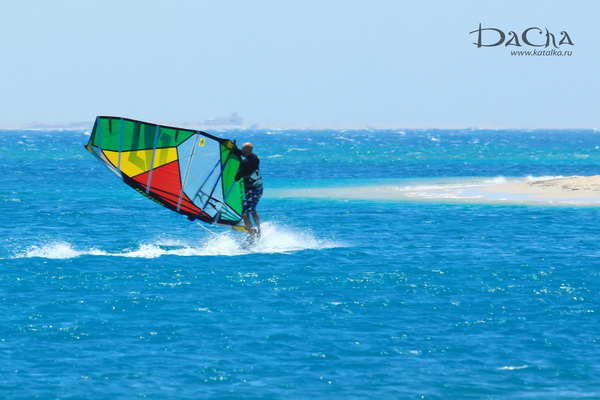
x=156, y=133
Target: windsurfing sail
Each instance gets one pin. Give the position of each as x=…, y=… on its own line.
x=189, y=172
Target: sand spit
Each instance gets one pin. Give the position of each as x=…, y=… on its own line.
x=583, y=190
x=574, y=187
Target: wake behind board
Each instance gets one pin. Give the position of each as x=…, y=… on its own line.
x=245, y=242
x=249, y=241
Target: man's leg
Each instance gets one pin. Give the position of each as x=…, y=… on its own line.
x=256, y=220
x=246, y=212
x=247, y=223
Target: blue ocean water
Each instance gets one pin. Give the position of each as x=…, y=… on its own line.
x=106, y=295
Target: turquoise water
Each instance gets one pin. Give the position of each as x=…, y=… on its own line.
x=107, y=295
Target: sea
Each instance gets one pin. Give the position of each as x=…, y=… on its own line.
x=105, y=294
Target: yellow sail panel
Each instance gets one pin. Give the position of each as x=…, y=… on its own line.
x=137, y=162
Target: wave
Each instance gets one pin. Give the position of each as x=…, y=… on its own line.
x=512, y=368
x=530, y=178
x=497, y=180
x=55, y=250
x=274, y=239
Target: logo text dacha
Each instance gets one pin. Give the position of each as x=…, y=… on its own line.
x=533, y=37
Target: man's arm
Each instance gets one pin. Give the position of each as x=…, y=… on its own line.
x=236, y=151
x=242, y=170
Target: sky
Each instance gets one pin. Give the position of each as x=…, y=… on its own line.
x=404, y=64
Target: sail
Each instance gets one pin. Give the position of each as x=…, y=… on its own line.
x=189, y=172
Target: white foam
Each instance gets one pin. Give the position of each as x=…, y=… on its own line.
x=274, y=239
x=530, y=178
x=56, y=250
x=448, y=190
x=495, y=181
x=511, y=368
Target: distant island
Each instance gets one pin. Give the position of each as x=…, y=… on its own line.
x=234, y=121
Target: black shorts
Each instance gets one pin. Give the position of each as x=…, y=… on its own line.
x=251, y=200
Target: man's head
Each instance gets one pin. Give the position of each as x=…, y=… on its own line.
x=247, y=149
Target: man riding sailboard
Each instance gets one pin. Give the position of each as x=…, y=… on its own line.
x=191, y=172
x=249, y=171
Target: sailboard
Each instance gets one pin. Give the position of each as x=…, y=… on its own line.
x=187, y=171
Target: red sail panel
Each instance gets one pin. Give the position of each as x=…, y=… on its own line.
x=166, y=187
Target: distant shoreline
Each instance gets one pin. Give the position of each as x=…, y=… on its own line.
x=77, y=126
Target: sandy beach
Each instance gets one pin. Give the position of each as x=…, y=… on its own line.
x=572, y=188
x=584, y=190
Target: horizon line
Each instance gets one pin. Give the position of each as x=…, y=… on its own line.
x=88, y=125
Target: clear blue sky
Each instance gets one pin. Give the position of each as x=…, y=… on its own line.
x=327, y=62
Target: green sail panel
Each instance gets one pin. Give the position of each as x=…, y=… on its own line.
x=234, y=191
x=120, y=134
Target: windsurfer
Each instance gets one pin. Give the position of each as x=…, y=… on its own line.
x=248, y=170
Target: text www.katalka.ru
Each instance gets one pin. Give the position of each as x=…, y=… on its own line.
x=553, y=52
